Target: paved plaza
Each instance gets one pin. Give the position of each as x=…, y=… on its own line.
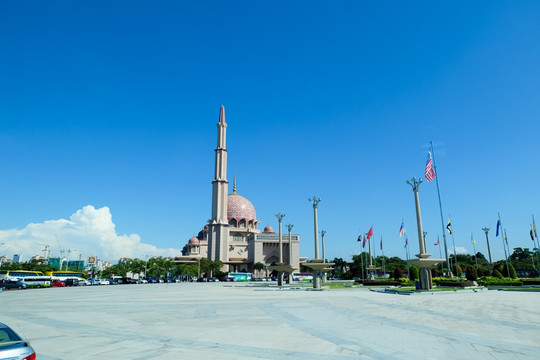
x=243, y=321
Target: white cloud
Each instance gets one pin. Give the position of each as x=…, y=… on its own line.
x=459, y=250
x=89, y=231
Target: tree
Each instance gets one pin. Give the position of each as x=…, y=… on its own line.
x=413, y=273
x=340, y=264
x=259, y=266
x=398, y=273
x=472, y=275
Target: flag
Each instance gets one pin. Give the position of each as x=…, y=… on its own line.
x=381, y=243
x=505, y=238
x=359, y=237
x=498, y=225
x=406, y=242
x=437, y=243
x=370, y=233
x=364, y=243
x=401, y=229
x=430, y=173
x=472, y=240
x=532, y=236
x=448, y=224
x=534, y=229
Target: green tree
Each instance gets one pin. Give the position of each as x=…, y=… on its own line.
x=397, y=273
x=457, y=270
x=413, y=273
x=259, y=266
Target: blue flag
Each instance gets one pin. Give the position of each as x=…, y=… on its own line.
x=498, y=226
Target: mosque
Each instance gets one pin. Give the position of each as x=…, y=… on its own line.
x=232, y=234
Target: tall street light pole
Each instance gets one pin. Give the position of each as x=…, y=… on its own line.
x=486, y=229
x=315, y=201
x=289, y=228
x=280, y=217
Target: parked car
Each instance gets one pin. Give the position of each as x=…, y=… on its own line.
x=13, y=284
x=58, y=283
x=84, y=282
x=72, y=282
x=13, y=347
x=104, y=282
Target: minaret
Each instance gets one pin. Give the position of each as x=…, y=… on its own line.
x=219, y=224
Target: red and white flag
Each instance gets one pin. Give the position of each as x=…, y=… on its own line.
x=430, y=172
x=370, y=233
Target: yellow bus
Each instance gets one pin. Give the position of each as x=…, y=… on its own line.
x=18, y=274
x=64, y=275
x=32, y=278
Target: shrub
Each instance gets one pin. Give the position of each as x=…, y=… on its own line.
x=481, y=272
x=472, y=275
x=435, y=272
x=398, y=273
x=413, y=273
x=495, y=281
x=497, y=274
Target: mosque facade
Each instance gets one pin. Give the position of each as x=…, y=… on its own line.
x=232, y=234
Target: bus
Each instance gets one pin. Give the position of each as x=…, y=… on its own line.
x=37, y=281
x=64, y=275
x=302, y=277
x=33, y=279
x=18, y=274
x=238, y=276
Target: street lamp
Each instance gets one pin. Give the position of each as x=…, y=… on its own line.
x=198, y=268
x=486, y=230
x=315, y=203
x=280, y=217
x=289, y=228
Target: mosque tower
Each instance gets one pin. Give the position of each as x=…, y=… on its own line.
x=219, y=226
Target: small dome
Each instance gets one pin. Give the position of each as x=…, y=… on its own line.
x=238, y=207
x=193, y=241
x=268, y=229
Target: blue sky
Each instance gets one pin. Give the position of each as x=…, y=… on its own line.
x=115, y=105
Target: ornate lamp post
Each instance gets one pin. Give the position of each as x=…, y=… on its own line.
x=316, y=264
x=289, y=228
x=486, y=230
x=315, y=203
x=280, y=217
x=422, y=262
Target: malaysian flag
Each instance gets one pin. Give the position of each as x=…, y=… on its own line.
x=430, y=172
x=437, y=243
x=364, y=242
x=406, y=241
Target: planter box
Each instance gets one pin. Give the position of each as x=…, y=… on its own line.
x=378, y=282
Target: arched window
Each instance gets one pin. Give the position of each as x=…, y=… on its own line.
x=242, y=223
x=233, y=223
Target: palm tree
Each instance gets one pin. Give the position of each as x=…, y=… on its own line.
x=259, y=266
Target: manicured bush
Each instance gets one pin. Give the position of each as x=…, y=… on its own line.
x=472, y=275
x=413, y=273
x=497, y=274
x=398, y=273
x=435, y=272
x=531, y=281
x=512, y=270
x=481, y=272
x=495, y=281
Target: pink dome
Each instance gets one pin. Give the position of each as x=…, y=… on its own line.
x=238, y=207
x=268, y=229
x=193, y=241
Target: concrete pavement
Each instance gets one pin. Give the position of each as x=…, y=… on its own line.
x=238, y=321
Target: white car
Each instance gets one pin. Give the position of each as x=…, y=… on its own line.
x=104, y=282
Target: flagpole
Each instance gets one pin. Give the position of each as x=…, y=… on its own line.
x=535, y=243
x=474, y=248
x=440, y=208
x=504, y=247
x=456, y=262
x=382, y=259
x=440, y=255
